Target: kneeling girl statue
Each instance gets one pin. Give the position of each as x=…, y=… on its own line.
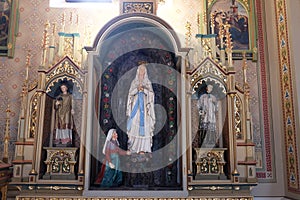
x=110, y=174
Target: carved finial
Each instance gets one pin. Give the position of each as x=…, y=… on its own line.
x=199, y=23
x=212, y=22
x=53, y=34
x=63, y=21
x=45, y=35
x=188, y=34
x=8, y=110
x=71, y=18
x=7, y=133
x=228, y=36
x=221, y=39
x=88, y=35
x=77, y=23
x=187, y=61
x=206, y=44
x=228, y=44
x=246, y=85
x=221, y=34
x=45, y=43
x=77, y=19
x=27, y=65
x=53, y=28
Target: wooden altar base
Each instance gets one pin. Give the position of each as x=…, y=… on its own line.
x=49, y=176
x=211, y=177
x=132, y=198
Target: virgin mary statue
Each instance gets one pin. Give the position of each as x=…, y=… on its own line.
x=140, y=113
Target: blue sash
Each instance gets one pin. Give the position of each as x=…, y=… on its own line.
x=138, y=105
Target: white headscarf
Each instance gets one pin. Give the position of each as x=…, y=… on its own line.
x=146, y=78
x=108, y=138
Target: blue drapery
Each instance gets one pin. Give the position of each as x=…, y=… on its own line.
x=138, y=105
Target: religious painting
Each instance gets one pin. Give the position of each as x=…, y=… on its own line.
x=8, y=26
x=240, y=18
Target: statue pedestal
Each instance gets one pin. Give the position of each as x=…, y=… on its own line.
x=137, y=177
x=60, y=163
x=210, y=163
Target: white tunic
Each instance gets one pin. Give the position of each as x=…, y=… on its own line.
x=207, y=105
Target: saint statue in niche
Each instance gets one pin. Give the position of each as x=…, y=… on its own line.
x=207, y=106
x=64, y=122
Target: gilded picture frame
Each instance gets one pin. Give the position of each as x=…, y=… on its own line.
x=9, y=14
x=241, y=18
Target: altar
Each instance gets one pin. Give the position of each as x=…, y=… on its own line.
x=134, y=112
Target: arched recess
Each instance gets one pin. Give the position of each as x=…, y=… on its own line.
x=120, y=46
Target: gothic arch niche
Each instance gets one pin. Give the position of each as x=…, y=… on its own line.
x=219, y=93
x=61, y=160
x=120, y=47
x=209, y=129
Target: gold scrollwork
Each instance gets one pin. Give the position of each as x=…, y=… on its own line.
x=68, y=47
x=138, y=7
x=34, y=115
x=60, y=162
x=55, y=165
x=208, y=68
x=238, y=117
x=76, y=83
x=64, y=67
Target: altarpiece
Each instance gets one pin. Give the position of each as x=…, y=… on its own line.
x=200, y=141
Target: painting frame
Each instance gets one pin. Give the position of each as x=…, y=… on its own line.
x=8, y=26
x=241, y=12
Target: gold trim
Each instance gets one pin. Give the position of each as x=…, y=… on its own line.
x=287, y=97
